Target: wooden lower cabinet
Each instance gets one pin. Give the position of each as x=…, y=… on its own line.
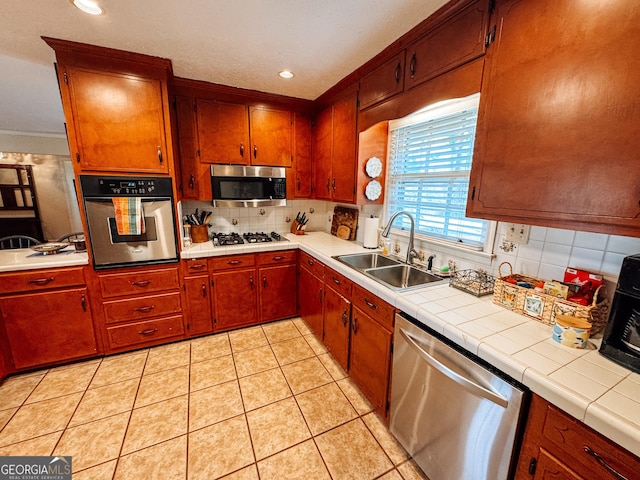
x=48, y=327
x=139, y=306
x=337, y=324
x=370, y=359
x=198, y=320
x=277, y=292
x=311, y=292
x=558, y=446
x=235, y=298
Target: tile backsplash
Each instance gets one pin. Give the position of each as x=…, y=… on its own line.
x=546, y=255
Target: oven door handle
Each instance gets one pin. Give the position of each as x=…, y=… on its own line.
x=466, y=383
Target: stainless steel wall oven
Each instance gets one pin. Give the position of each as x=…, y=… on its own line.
x=157, y=243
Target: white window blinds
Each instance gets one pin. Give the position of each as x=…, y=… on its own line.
x=430, y=158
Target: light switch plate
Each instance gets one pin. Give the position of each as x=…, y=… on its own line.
x=517, y=233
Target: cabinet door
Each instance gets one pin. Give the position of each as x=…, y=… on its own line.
x=48, y=327
x=277, y=292
x=198, y=316
x=337, y=323
x=343, y=162
x=310, y=302
x=370, y=358
x=548, y=467
x=322, y=153
x=556, y=142
x=459, y=39
x=384, y=82
x=235, y=298
x=271, y=136
x=299, y=176
x=187, y=147
x=123, y=127
x=223, y=132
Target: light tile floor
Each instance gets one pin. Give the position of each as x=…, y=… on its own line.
x=265, y=402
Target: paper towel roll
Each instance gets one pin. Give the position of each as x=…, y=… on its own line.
x=371, y=232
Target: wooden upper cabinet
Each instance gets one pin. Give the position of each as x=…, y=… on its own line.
x=384, y=82
x=299, y=176
x=322, y=154
x=271, y=136
x=116, y=108
x=118, y=121
x=185, y=109
x=344, y=150
x=223, y=132
x=335, y=152
x=556, y=143
x=457, y=40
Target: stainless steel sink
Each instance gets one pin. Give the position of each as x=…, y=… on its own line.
x=363, y=261
x=402, y=277
x=388, y=271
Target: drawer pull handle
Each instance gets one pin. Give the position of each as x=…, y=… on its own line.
x=197, y=266
x=204, y=289
x=148, y=308
x=277, y=258
x=242, y=150
x=336, y=281
x=344, y=318
x=354, y=326
x=412, y=66
x=192, y=182
x=604, y=464
x=397, y=73
x=320, y=295
x=264, y=281
x=83, y=302
x=150, y=331
x=159, y=155
x=41, y=281
x=251, y=282
x=234, y=262
x=142, y=283
x=371, y=305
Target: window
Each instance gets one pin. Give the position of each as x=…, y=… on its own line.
x=430, y=155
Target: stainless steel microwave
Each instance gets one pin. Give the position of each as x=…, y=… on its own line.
x=240, y=186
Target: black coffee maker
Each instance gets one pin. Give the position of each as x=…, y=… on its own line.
x=621, y=342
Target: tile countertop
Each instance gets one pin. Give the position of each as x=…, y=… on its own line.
x=26, y=259
x=583, y=383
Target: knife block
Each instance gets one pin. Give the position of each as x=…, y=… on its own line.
x=295, y=230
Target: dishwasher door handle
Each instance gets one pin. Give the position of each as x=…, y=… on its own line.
x=466, y=383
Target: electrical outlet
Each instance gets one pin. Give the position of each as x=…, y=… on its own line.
x=517, y=233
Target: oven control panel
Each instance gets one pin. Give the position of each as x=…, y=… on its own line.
x=106, y=187
x=118, y=186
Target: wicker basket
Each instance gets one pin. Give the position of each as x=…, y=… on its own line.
x=475, y=282
x=543, y=307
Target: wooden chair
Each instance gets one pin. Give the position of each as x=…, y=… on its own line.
x=17, y=241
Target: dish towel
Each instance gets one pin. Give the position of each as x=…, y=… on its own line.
x=129, y=215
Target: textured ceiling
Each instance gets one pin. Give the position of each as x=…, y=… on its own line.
x=243, y=43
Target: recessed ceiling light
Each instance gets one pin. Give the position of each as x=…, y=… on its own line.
x=88, y=6
x=286, y=74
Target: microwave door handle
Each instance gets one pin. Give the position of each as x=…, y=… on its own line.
x=466, y=383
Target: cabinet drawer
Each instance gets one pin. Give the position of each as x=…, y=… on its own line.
x=194, y=266
x=338, y=282
x=150, y=331
x=311, y=264
x=573, y=439
x=30, y=281
x=232, y=261
x=272, y=258
x=132, y=283
x=373, y=306
x=142, y=307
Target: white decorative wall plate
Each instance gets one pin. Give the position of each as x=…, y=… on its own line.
x=373, y=167
x=373, y=190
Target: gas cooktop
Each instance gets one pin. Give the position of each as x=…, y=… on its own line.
x=234, y=238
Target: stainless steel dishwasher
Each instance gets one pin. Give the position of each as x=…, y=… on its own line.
x=457, y=418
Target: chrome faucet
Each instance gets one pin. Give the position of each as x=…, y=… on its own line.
x=411, y=252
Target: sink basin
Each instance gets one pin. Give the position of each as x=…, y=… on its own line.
x=402, y=277
x=363, y=261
